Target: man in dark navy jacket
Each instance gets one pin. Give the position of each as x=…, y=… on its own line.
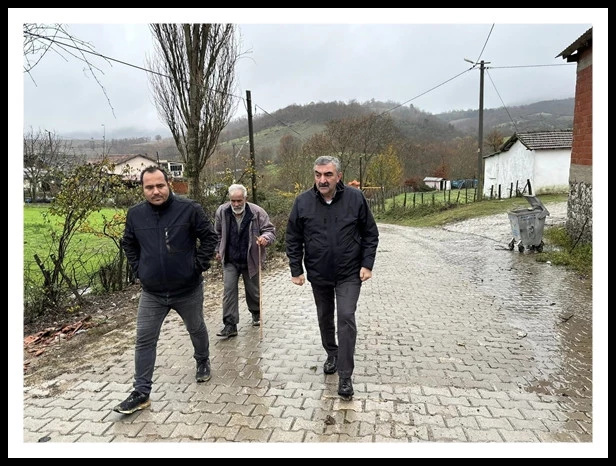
x=332, y=232
x=169, y=242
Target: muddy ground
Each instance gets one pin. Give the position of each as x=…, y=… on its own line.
x=104, y=325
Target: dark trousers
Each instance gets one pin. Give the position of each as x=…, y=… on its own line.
x=151, y=313
x=337, y=304
x=230, y=299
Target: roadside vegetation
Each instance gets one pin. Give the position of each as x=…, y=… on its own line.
x=92, y=261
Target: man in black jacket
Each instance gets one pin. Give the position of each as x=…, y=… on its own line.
x=169, y=242
x=332, y=232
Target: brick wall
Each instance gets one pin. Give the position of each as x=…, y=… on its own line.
x=581, y=151
x=579, y=206
x=180, y=187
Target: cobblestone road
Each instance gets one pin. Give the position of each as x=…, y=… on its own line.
x=461, y=341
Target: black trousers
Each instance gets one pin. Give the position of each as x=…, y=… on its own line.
x=336, y=304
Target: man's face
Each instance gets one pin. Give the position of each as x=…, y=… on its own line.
x=155, y=188
x=326, y=177
x=238, y=202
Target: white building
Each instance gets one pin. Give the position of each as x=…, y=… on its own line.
x=437, y=183
x=130, y=166
x=541, y=158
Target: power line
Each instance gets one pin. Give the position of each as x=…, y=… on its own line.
x=100, y=55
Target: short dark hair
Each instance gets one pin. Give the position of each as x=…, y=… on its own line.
x=154, y=169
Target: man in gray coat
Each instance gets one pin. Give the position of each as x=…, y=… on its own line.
x=244, y=231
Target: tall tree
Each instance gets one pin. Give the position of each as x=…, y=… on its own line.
x=193, y=85
x=373, y=134
x=341, y=135
x=295, y=163
x=385, y=170
x=494, y=140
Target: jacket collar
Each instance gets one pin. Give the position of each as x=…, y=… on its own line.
x=338, y=195
x=164, y=206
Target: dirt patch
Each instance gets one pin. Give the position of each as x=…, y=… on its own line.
x=104, y=325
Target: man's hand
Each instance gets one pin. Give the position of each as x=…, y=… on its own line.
x=300, y=280
x=365, y=274
x=261, y=240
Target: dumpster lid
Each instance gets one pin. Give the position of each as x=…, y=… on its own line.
x=535, y=203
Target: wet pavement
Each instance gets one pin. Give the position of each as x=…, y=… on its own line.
x=460, y=341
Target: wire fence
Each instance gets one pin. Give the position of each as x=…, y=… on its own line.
x=382, y=200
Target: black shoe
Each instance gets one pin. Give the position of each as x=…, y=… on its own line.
x=134, y=402
x=203, y=371
x=345, y=387
x=331, y=365
x=228, y=332
x=256, y=320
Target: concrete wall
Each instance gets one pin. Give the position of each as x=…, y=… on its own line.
x=547, y=170
x=551, y=171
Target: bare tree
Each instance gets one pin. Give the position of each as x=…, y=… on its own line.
x=45, y=154
x=373, y=134
x=193, y=81
x=342, y=134
x=295, y=164
x=41, y=39
x=494, y=140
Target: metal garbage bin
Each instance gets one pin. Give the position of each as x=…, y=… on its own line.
x=527, y=225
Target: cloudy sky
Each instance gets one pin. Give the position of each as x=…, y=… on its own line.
x=405, y=56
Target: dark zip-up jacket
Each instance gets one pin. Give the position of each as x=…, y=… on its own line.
x=161, y=245
x=333, y=241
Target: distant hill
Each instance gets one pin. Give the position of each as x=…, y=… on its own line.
x=302, y=121
x=422, y=127
x=546, y=115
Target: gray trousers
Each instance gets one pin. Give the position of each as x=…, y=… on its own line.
x=340, y=301
x=230, y=299
x=151, y=313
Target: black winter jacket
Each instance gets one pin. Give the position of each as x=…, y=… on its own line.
x=332, y=240
x=161, y=245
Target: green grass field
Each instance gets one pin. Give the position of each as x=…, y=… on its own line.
x=87, y=249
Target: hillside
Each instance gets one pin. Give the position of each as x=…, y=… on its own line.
x=413, y=123
x=539, y=116
x=302, y=121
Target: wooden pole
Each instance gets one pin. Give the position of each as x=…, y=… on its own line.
x=260, y=298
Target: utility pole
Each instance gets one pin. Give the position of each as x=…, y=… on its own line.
x=253, y=165
x=480, y=136
x=103, y=125
x=234, y=161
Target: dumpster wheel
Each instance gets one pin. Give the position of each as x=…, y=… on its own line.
x=540, y=247
x=511, y=244
x=521, y=247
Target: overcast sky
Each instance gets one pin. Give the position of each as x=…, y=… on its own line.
x=420, y=61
